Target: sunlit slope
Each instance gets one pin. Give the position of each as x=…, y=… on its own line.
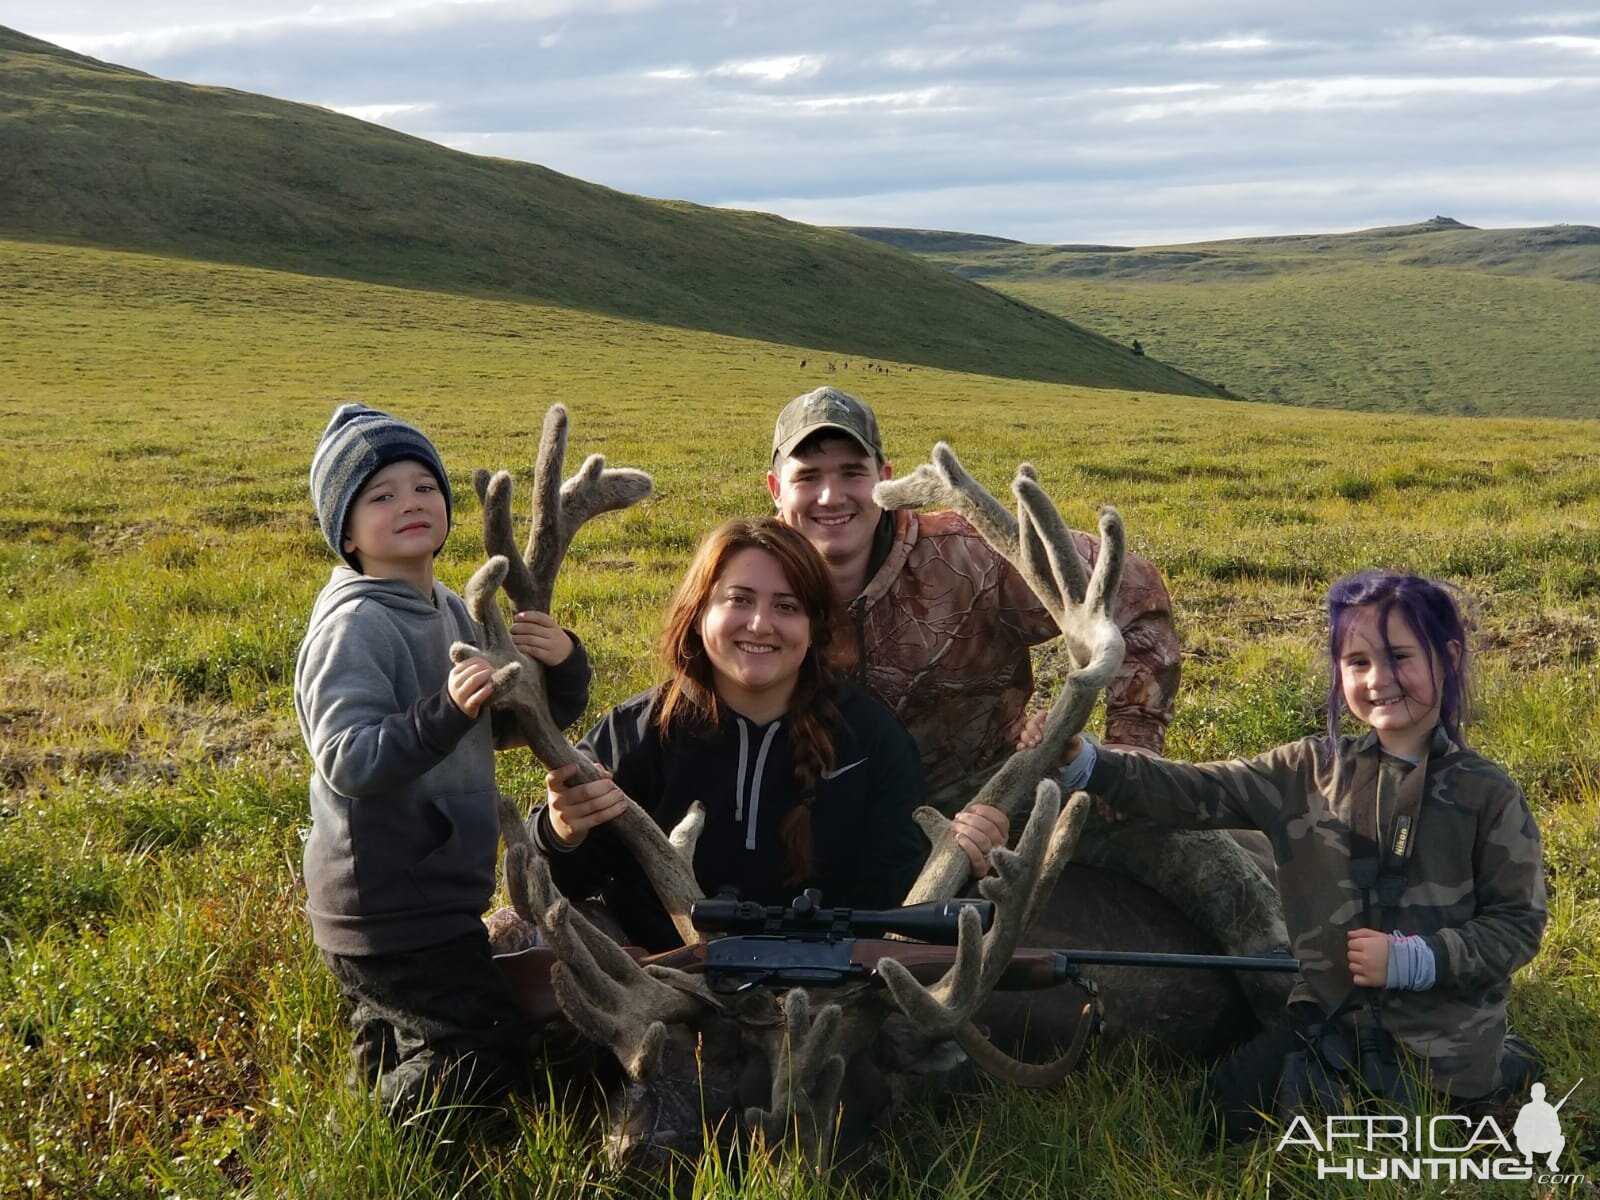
x=241, y=367
x=99, y=154
x=1435, y=317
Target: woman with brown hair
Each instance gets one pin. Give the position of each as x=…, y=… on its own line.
x=806, y=780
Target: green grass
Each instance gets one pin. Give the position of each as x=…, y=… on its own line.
x=1428, y=318
x=96, y=154
x=166, y=1028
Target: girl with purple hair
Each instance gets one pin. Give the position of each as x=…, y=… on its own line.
x=1410, y=868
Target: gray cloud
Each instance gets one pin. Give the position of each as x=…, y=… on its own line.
x=1118, y=121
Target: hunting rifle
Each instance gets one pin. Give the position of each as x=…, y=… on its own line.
x=807, y=945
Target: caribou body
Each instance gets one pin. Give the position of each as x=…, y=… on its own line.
x=776, y=1064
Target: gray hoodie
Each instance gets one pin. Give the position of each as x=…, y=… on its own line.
x=404, y=826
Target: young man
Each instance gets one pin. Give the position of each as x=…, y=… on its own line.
x=940, y=624
x=940, y=628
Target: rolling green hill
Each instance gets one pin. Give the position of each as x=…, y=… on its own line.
x=1432, y=317
x=93, y=153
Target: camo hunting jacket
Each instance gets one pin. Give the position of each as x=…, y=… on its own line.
x=941, y=634
x=1473, y=880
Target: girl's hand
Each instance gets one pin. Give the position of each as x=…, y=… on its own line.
x=1368, y=953
x=538, y=636
x=471, y=680
x=577, y=808
x=978, y=829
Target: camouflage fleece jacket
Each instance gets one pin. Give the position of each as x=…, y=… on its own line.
x=1473, y=884
x=941, y=634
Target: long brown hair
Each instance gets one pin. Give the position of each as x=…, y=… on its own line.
x=688, y=700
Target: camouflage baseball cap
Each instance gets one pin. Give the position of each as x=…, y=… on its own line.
x=825, y=408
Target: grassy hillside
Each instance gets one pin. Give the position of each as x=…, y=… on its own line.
x=166, y=1028
x=92, y=153
x=1435, y=317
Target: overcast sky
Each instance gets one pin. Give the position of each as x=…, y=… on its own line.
x=1127, y=121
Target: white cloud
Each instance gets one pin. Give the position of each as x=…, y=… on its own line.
x=916, y=58
x=1583, y=45
x=1231, y=44
x=1571, y=20
x=380, y=113
x=920, y=98
x=770, y=70
x=1349, y=92
x=1161, y=89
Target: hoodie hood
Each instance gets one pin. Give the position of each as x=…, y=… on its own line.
x=345, y=586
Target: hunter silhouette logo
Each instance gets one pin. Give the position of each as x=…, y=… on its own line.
x=1538, y=1128
x=1449, y=1146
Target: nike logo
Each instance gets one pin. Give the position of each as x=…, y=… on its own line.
x=838, y=771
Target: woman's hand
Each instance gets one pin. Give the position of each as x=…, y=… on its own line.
x=1367, y=951
x=537, y=635
x=575, y=809
x=978, y=829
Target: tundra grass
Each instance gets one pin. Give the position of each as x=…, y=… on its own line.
x=165, y=1026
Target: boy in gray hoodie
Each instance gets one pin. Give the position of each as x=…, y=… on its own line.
x=400, y=863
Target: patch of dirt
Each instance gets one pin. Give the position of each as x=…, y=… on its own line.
x=52, y=731
x=1539, y=639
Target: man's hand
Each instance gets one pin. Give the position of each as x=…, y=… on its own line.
x=537, y=635
x=575, y=809
x=978, y=829
x=1033, y=733
x=471, y=680
x=1367, y=951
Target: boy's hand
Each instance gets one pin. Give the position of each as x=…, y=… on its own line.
x=538, y=636
x=978, y=829
x=470, y=684
x=574, y=809
x=1368, y=953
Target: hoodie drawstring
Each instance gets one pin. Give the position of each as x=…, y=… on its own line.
x=755, y=784
x=755, y=778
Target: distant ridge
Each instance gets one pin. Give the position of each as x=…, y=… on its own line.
x=927, y=241
x=92, y=153
x=1553, y=251
x=1437, y=316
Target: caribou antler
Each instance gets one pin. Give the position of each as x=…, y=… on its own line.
x=609, y=998
x=1038, y=543
x=807, y=1063
x=559, y=510
x=942, y=1008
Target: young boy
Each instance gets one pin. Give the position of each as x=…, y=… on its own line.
x=400, y=863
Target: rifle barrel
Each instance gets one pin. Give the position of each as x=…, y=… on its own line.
x=1066, y=960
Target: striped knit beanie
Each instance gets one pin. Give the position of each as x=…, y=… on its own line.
x=357, y=443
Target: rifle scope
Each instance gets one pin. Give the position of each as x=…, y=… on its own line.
x=936, y=921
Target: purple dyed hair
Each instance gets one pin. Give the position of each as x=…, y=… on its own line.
x=1431, y=613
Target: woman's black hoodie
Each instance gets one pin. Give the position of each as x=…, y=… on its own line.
x=867, y=849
